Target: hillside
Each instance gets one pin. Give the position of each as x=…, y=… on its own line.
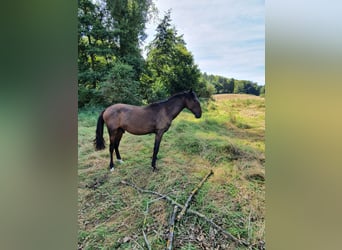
x=229, y=139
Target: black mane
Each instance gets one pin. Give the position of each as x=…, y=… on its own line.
x=177, y=95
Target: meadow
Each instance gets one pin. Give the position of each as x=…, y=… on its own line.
x=228, y=139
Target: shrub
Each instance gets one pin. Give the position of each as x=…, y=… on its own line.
x=120, y=86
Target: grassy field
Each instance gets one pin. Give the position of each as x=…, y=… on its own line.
x=228, y=138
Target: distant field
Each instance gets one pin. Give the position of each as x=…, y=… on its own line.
x=236, y=96
x=229, y=139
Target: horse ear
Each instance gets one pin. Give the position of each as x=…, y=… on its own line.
x=191, y=91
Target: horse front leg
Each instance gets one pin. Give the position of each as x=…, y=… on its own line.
x=157, y=140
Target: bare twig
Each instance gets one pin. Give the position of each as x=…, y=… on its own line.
x=137, y=243
x=186, y=205
x=145, y=219
x=172, y=228
x=190, y=211
x=146, y=241
x=147, y=208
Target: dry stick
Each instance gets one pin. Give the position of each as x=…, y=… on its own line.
x=173, y=202
x=144, y=225
x=137, y=243
x=147, y=208
x=172, y=228
x=186, y=205
x=146, y=241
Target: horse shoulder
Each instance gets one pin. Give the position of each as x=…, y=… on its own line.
x=163, y=121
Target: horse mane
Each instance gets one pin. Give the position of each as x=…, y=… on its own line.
x=158, y=103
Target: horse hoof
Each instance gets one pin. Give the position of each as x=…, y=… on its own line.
x=120, y=161
x=111, y=170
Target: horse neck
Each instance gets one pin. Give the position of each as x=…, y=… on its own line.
x=174, y=106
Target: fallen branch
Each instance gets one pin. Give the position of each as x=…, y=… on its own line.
x=190, y=211
x=144, y=225
x=147, y=208
x=146, y=241
x=186, y=205
x=172, y=228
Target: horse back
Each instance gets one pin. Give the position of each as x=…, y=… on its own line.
x=135, y=119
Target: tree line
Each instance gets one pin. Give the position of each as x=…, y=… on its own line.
x=111, y=67
x=223, y=84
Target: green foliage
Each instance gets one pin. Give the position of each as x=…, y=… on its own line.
x=130, y=17
x=230, y=85
x=170, y=67
x=205, y=89
x=246, y=87
x=95, y=49
x=109, y=33
x=120, y=86
x=262, y=91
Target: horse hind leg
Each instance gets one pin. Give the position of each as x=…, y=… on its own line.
x=117, y=143
x=112, y=135
x=111, y=163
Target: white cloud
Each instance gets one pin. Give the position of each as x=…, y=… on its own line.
x=226, y=37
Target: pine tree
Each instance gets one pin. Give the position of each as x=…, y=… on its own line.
x=170, y=67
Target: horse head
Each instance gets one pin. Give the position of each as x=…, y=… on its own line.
x=192, y=103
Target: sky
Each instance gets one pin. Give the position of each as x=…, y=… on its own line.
x=226, y=37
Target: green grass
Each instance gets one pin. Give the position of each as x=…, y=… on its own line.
x=229, y=138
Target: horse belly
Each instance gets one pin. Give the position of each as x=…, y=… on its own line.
x=139, y=129
x=138, y=124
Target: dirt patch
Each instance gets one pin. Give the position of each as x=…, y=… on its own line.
x=255, y=174
x=96, y=182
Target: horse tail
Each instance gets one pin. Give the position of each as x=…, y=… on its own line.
x=99, y=141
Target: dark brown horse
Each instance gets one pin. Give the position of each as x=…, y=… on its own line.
x=154, y=118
